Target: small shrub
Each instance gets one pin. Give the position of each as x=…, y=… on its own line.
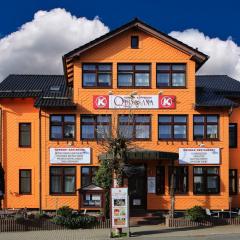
x=19, y=218
x=75, y=222
x=196, y=213
x=65, y=211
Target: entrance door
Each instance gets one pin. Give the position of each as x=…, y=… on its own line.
x=137, y=189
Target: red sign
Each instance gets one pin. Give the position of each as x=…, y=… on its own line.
x=167, y=102
x=101, y=102
x=136, y=102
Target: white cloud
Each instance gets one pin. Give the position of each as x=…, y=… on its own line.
x=38, y=46
x=224, y=55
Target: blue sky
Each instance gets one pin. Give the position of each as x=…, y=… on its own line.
x=41, y=31
x=216, y=18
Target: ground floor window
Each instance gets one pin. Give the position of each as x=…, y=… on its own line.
x=180, y=179
x=233, y=181
x=25, y=180
x=62, y=180
x=160, y=180
x=206, y=180
x=87, y=175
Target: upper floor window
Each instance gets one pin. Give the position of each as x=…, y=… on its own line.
x=205, y=127
x=25, y=181
x=97, y=75
x=232, y=135
x=172, y=127
x=134, y=75
x=62, y=180
x=206, y=180
x=95, y=127
x=62, y=127
x=136, y=127
x=171, y=75
x=180, y=179
x=24, y=134
x=134, y=42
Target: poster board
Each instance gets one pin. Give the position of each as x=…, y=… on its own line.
x=119, y=208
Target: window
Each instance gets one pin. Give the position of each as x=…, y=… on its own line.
x=95, y=127
x=62, y=180
x=24, y=134
x=62, y=127
x=171, y=75
x=134, y=42
x=206, y=180
x=180, y=179
x=97, y=75
x=233, y=135
x=205, y=127
x=136, y=127
x=25, y=179
x=233, y=181
x=134, y=75
x=160, y=180
x=87, y=175
x=172, y=127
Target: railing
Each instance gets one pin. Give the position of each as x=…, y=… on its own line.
x=12, y=225
x=179, y=222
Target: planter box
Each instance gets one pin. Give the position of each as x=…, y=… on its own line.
x=180, y=222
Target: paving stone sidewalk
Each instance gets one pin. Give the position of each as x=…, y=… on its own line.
x=143, y=232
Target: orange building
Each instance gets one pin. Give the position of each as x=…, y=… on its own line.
x=52, y=125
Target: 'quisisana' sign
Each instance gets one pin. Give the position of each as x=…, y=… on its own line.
x=70, y=155
x=134, y=102
x=199, y=156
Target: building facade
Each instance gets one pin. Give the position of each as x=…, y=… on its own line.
x=138, y=82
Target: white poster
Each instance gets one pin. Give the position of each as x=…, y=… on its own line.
x=142, y=102
x=70, y=155
x=119, y=204
x=199, y=156
x=151, y=185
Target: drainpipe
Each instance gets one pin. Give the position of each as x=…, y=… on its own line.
x=40, y=160
x=1, y=154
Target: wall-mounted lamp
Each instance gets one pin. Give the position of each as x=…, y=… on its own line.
x=202, y=145
x=160, y=92
x=110, y=93
x=133, y=94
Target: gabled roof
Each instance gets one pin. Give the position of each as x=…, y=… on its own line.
x=216, y=91
x=39, y=88
x=196, y=55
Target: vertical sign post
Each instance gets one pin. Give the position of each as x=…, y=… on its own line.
x=119, y=209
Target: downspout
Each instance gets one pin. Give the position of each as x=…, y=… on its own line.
x=1, y=153
x=40, y=160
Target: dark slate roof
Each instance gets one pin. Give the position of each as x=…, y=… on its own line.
x=211, y=90
x=38, y=87
x=216, y=91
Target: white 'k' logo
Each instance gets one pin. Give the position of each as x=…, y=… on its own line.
x=101, y=102
x=166, y=102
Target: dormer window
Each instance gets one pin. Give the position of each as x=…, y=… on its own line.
x=134, y=42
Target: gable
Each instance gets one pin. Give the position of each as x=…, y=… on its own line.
x=136, y=24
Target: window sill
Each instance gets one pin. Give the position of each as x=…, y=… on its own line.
x=63, y=194
x=159, y=87
x=62, y=140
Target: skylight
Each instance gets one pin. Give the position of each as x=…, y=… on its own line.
x=54, y=88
